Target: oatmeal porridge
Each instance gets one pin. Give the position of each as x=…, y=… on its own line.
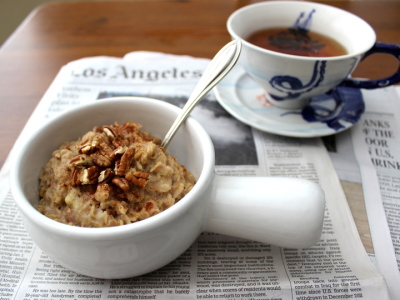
x=113, y=175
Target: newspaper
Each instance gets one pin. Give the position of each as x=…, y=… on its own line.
x=369, y=154
x=215, y=266
x=377, y=148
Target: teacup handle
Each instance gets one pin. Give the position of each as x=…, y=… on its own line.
x=383, y=48
x=286, y=212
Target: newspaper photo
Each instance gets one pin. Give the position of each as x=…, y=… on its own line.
x=217, y=266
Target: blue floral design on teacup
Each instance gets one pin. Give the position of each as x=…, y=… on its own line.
x=292, y=87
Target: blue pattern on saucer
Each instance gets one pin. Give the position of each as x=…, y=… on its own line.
x=326, y=114
x=348, y=106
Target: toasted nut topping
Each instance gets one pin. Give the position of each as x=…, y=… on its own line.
x=118, y=151
x=97, y=129
x=101, y=160
x=105, y=175
x=76, y=176
x=105, y=148
x=125, y=162
x=109, y=132
x=93, y=173
x=81, y=160
x=139, y=179
x=122, y=183
x=90, y=175
x=88, y=147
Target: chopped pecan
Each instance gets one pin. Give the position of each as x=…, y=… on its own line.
x=122, y=183
x=93, y=172
x=81, y=160
x=101, y=160
x=125, y=162
x=90, y=175
x=117, y=144
x=106, y=148
x=109, y=132
x=118, y=151
x=88, y=147
x=106, y=175
x=76, y=176
x=139, y=179
x=97, y=129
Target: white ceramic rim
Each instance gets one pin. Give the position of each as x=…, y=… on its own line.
x=305, y=3
x=123, y=231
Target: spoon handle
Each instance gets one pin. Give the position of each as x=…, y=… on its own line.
x=219, y=66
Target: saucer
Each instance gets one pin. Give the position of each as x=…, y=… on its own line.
x=326, y=114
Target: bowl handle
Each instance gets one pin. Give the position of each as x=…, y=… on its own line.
x=286, y=212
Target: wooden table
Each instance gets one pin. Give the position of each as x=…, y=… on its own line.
x=56, y=34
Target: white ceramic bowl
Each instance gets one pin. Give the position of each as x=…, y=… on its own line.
x=283, y=211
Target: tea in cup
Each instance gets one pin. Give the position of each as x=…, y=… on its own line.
x=296, y=50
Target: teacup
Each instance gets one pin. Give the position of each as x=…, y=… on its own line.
x=287, y=212
x=291, y=80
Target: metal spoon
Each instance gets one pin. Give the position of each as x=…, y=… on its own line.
x=219, y=66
